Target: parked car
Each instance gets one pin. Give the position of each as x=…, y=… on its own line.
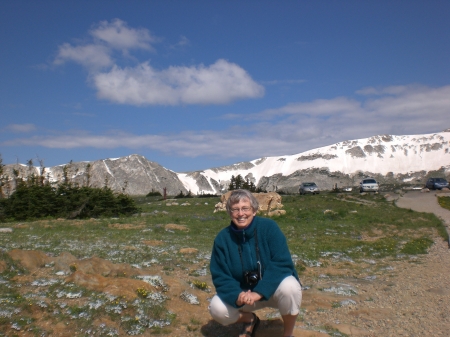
x=308, y=188
x=369, y=185
x=436, y=183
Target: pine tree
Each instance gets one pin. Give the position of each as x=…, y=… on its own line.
x=88, y=174
x=232, y=185
x=239, y=182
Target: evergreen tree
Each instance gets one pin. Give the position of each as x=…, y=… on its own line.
x=232, y=185
x=239, y=183
x=39, y=201
x=88, y=174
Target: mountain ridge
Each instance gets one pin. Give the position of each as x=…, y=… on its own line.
x=405, y=159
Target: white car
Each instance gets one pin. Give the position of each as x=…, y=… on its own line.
x=308, y=188
x=369, y=185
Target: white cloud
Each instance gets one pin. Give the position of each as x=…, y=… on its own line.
x=21, y=128
x=317, y=108
x=422, y=103
x=91, y=56
x=219, y=83
x=290, y=129
x=107, y=37
x=118, y=35
x=183, y=42
x=392, y=90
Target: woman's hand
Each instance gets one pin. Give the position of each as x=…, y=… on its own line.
x=248, y=297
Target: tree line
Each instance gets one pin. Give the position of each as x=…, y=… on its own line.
x=238, y=182
x=35, y=197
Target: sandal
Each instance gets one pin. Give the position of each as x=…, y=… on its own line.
x=249, y=329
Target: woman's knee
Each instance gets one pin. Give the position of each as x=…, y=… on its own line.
x=290, y=287
x=289, y=296
x=223, y=313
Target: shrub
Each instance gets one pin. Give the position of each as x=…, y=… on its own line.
x=37, y=201
x=154, y=194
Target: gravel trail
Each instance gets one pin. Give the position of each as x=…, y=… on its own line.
x=425, y=202
x=409, y=298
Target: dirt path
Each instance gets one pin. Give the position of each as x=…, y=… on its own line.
x=425, y=202
x=408, y=298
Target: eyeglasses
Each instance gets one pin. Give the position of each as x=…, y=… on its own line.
x=243, y=209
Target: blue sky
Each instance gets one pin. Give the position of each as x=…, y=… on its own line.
x=199, y=84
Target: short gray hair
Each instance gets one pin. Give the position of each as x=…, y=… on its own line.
x=237, y=195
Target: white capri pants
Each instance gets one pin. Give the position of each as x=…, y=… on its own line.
x=287, y=299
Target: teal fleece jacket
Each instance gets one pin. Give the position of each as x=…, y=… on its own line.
x=227, y=267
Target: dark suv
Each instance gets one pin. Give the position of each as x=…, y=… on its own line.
x=436, y=183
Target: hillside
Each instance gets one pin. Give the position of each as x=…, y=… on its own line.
x=393, y=160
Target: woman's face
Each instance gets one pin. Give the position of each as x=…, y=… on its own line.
x=242, y=213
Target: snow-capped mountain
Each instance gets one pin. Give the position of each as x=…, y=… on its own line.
x=390, y=159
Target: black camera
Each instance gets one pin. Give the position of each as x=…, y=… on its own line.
x=251, y=277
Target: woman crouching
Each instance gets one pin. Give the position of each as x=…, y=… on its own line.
x=252, y=268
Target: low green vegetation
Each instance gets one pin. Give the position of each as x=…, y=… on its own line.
x=444, y=201
x=320, y=229
x=417, y=246
x=317, y=227
x=33, y=200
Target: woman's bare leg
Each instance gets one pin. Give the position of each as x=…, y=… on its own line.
x=289, y=324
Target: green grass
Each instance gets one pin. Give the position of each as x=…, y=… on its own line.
x=417, y=246
x=320, y=229
x=444, y=202
x=311, y=233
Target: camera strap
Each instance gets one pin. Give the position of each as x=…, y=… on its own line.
x=255, y=233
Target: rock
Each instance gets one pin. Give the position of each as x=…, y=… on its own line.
x=277, y=212
x=6, y=230
x=189, y=298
